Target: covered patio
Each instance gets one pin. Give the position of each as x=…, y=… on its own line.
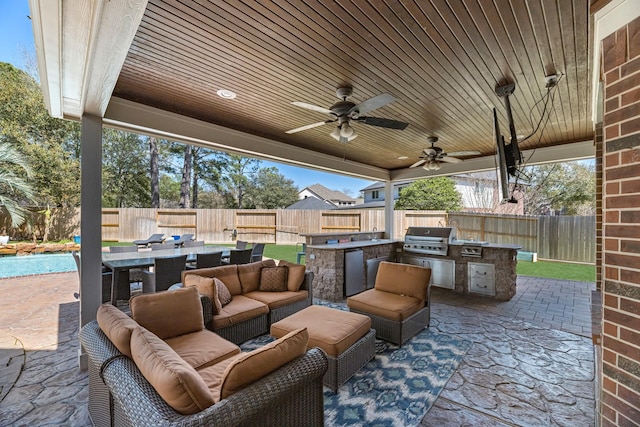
x=155, y=68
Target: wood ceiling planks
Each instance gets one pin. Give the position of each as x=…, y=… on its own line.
x=441, y=59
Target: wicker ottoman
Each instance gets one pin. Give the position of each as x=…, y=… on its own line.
x=346, y=338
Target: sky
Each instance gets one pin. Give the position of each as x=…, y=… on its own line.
x=16, y=37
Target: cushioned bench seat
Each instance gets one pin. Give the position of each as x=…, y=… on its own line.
x=385, y=304
x=346, y=338
x=203, y=348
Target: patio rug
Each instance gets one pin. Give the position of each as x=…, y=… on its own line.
x=398, y=386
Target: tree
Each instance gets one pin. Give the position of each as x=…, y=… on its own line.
x=125, y=182
x=237, y=174
x=14, y=189
x=155, y=172
x=185, y=186
x=271, y=190
x=568, y=188
x=438, y=194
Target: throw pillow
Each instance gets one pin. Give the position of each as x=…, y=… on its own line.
x=224, y=296
x=205, y=287
x=175, y=380
x=252, y=366
x=295, y=275
x=159, y=312
x=273, y=279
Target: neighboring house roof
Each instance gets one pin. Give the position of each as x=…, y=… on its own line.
x=311, y=203
x=380, y=184
x=327, y=194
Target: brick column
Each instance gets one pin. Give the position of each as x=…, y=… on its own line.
x=620, y=378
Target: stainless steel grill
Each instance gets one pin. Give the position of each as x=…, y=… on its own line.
x=429, y=240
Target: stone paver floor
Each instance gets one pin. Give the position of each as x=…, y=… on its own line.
x=527, y=367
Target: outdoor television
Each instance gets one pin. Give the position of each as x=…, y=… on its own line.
x=506, y=162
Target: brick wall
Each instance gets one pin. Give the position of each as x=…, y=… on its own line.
x=620, y=379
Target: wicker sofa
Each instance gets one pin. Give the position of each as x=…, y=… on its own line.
x=251, y=311
x=148, y=380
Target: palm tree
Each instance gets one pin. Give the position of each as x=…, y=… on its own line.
x=13, y=187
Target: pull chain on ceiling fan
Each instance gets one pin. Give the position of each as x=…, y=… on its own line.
x=344, y=112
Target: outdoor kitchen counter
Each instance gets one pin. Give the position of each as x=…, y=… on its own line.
x=327, y=262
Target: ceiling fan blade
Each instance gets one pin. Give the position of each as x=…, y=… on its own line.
x=418, y=163
x=373, y=103
x=463, y=153
x=383, y=123
x=312, y=107
x=430, y=151
x=449, y=159
x=311, y=126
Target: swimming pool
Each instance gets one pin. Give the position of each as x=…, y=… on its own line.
x=14, y=266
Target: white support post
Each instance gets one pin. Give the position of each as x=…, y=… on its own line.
x=90, y=223
x=389, y=202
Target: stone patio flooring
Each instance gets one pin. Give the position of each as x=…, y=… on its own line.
x=531, y=364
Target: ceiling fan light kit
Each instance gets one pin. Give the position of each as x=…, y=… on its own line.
x=433, y=156
x=345, y=111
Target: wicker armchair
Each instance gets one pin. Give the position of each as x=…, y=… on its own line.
x=119, y=395
x=399, y=303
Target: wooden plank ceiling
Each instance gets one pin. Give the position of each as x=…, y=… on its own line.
x=441, y=59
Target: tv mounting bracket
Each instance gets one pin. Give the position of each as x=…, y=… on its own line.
x=504, y=92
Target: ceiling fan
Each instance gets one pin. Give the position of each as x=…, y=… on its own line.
x=344, y=112
x=432, y=156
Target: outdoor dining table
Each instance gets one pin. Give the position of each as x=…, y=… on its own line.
x=117, y=262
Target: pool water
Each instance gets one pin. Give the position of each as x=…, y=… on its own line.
x=14, y=266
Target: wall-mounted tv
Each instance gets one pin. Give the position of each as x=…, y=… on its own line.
x=506, y=162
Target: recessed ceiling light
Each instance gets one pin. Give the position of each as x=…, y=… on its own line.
x=402, y=158
x=226, y=94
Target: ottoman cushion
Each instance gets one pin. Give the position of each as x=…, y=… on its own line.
x=334, y=331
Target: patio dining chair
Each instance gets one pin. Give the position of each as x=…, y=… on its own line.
x=194, y=244
x=301, y=251
x=206, y=260
x=256, y=251
x=241, y=244
x=166, y=272
x=135, y=274
x=106, y=276
x=239, y=256
x=163, y=246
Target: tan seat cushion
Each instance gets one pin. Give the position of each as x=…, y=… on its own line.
x=238, y=310
x=403, y=279
x=249, y=274
x=385, y=304
x=227, y=273
x=202, y=349
x=117, y=326
x=174, y=379
x=254, y=365
x=278, y=299
x=332, y=330
x=295, y=277
x=169, y=313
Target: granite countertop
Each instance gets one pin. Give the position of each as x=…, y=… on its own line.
x=355, y=244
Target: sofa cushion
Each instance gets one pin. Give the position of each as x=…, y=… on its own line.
x=249, y=274
x=202, y=349
x=205, y=287
x=295, y=276
x=117, y=326
x=278, y=299
x=213, y=375
x=239, y=309
x=273, y=279
x=170, y=313
x=254, y=365
x=223, y=296
x=403, y=279
x=385, y=304
x=175, y=381
x=227, y=273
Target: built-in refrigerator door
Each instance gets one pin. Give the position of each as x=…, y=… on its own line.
x=353, y=272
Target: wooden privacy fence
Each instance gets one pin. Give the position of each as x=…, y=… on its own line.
x=568, y=238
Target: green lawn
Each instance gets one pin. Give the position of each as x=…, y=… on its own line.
x=558, y=270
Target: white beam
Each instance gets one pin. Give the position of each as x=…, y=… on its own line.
x=134, y=117
x=557, y=153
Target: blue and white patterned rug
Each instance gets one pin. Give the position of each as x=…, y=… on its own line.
x=398, y=386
